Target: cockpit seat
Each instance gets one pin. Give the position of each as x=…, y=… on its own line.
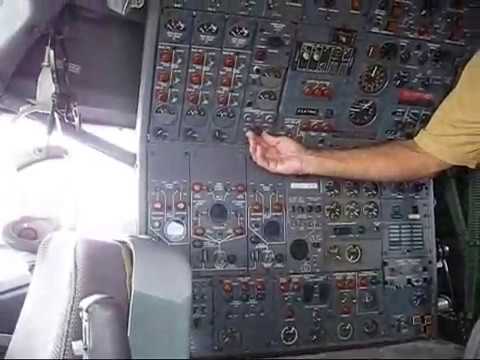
x=70, y=270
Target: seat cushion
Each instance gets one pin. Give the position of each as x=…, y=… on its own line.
x=68, y=269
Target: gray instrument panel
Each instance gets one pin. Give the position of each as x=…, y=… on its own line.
x=297, y=264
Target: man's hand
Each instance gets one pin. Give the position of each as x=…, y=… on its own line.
x=277, y=154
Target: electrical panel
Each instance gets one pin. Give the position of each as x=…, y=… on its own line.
x=297, y=264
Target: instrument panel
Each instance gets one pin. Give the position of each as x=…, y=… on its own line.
x=297, y=264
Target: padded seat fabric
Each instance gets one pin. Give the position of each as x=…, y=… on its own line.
x=68, y=269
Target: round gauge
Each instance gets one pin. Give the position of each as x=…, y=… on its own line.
x=333, y=210
x=175, y=230
x=400, y=188
x=373, y=79
x=272, y=230
x=353, y=210
x=370, y=189
x=345, y=331
x=175, y=25
x=353, y=254
x=240, y=32
x=332, y=188
x=208, y=29
x=371, y=210
x=289, y=335
x=219, y=213
x=352, y=188
x=362, y=112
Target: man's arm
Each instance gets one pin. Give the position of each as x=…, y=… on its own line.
x=393, y=161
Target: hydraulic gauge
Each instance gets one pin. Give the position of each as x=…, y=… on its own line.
x=373, y=79
x=362, y=112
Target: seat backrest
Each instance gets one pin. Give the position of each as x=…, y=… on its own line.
x=68, y=269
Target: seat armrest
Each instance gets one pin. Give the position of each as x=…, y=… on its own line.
x=104, y=329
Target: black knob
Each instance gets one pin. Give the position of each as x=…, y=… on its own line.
x=197, y=244
x=160, y=134
x=271, y=230
x=389, y=50
x=255, y=239
x=220, y=135
x=405, y=56
x=279, y=258
x=218, y=213
x=299, y=249
x=423, y=58
x=232, y=259
x=191, y=134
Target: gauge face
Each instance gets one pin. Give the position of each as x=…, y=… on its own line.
x=332, y=188
x=353, y=210
x=373, y=79
x=370, y=189
x=175, y=230
x=208, y=29
x=352, y=188
x=175, y=25
x=239, y=32
x=333, y=210
x=371, y=210
x=362, y=112
x=353, y=254
x=344, y=331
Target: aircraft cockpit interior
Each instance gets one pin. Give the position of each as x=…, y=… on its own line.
x=138, y=218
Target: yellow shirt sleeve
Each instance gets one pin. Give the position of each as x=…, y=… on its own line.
x=453, y=133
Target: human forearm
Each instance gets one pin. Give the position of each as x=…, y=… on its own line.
x=393, y=161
